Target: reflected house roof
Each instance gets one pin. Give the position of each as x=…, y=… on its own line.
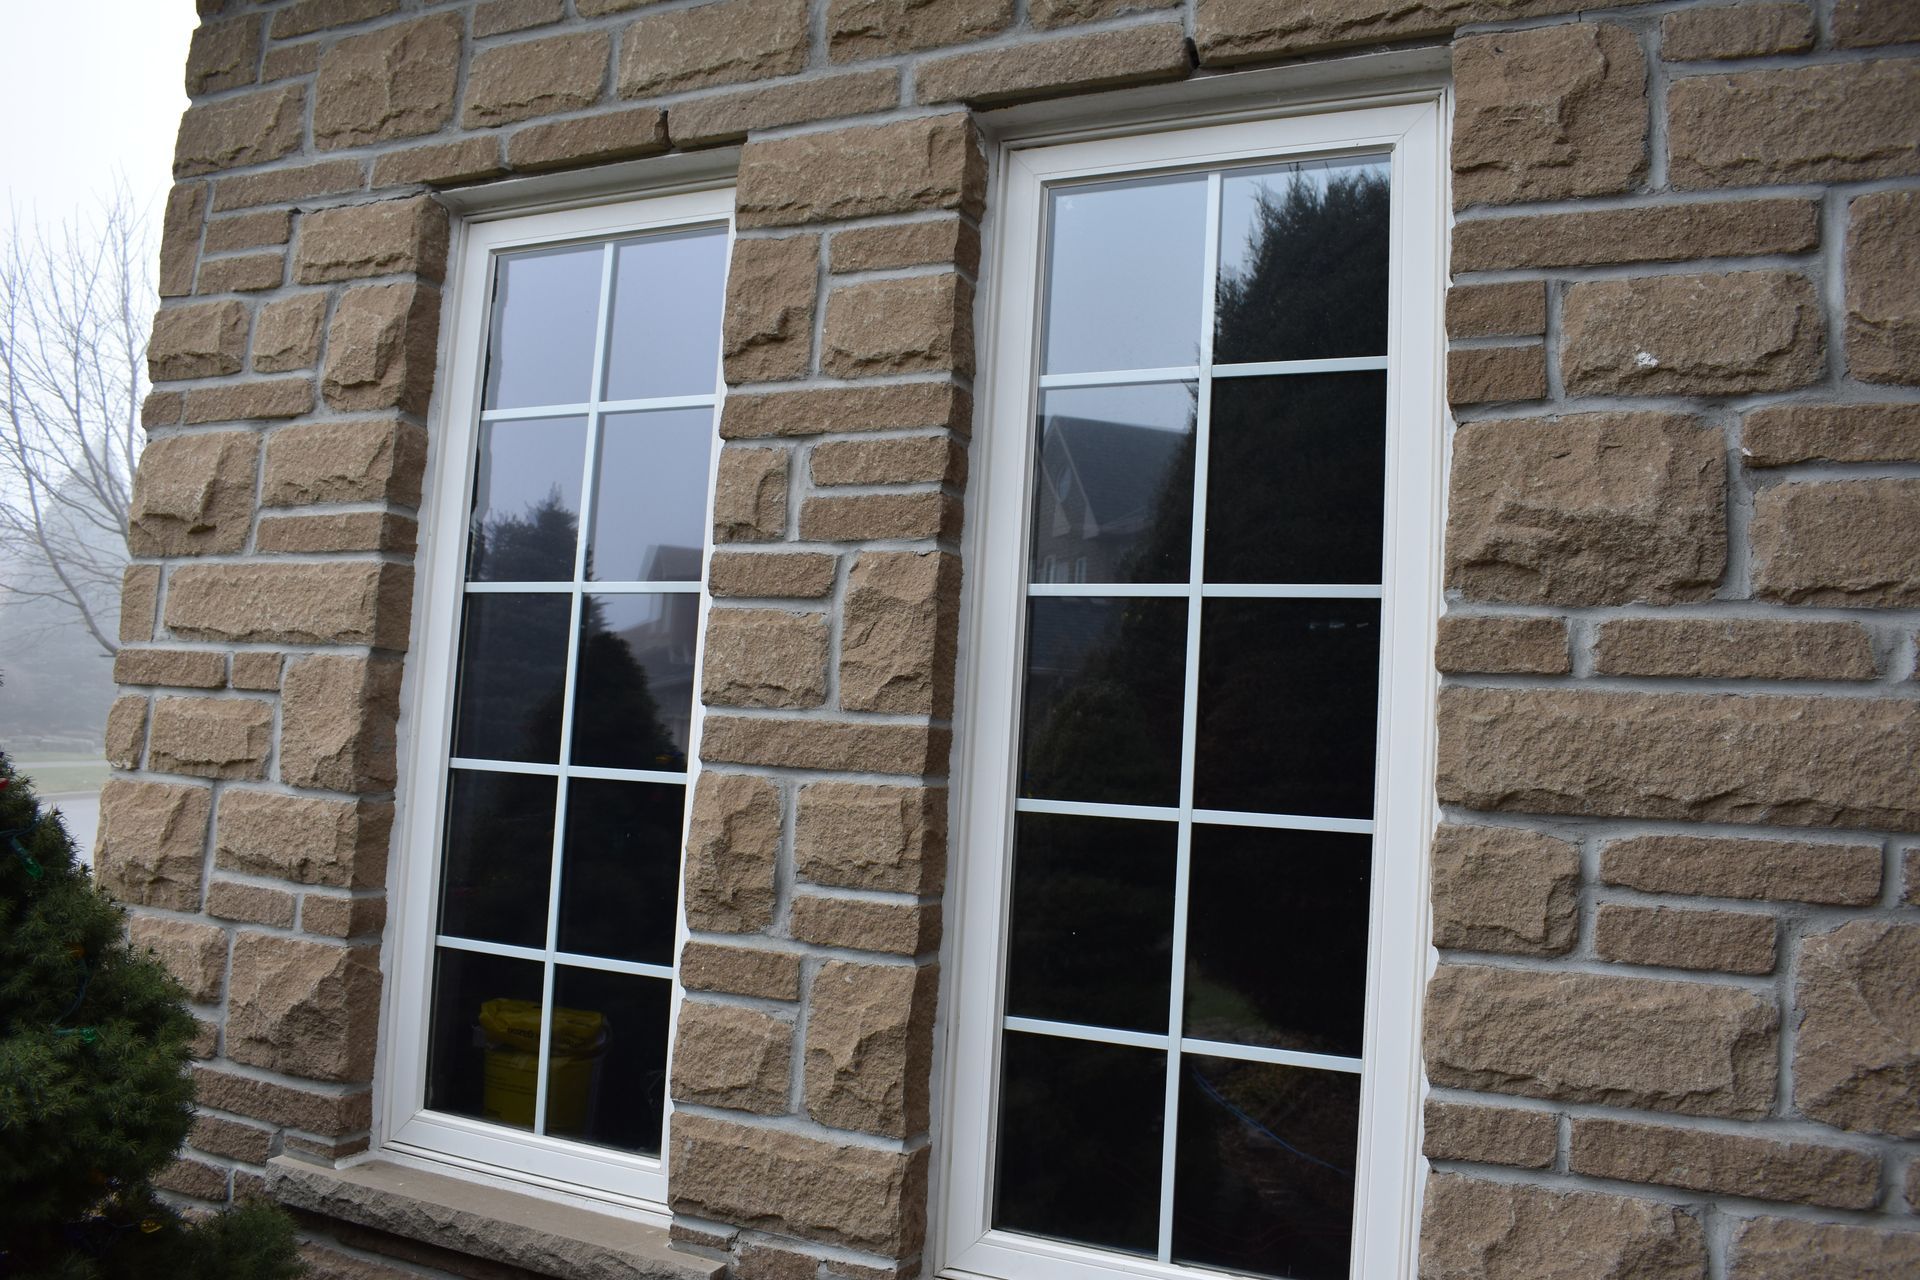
x=1107, y=475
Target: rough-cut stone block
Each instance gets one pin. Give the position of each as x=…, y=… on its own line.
x=1848, y=542
x=1856, y=1059
x=440, y=163
x=900, y=928
x=287, y=335
x=869, y=1061
x=726, y=1056
x=396, y=82
x=733, y=842
x=195, y=1179
x=1783, y=434
x=740, y=971
x=722, y=43
x=338, y=843
x=1781, y=1249
x=862, y=747
x=496, y=17
x=386, y=237
x=800, y=575
x=856, y=835
x=1516, y=309
x=181, y=668
x=1727, y=941
x=1596, y=508
x=1475, y=1230
x=1490, y=1135
x=126, y=733
x=194, y=953
x=1792, y=870
x=817, y=411
x=1724, y=1163
x=1737, y=648
x=180, y=238
x=219, y=1136
x=222, y=55
x=307, y=1009
x=337, y=531
x=1856, y=24
x=1835, y=122
x=377, y=460
x=933, y=162
x=939, y=241
x=151, y=841
x=764, y=658
x=613, y=135
x=1883, y=286
x=900, y=619
x=513, y=82
x=337, y=717
x=772, y=285
x=729, y=117
x=1050, y=14
x=1230, y=31
x=340, y=602
x=314, y=1110
x=286, y=61
x=921, y=324
x=906, y=460
x=307, y=16
x=257, y=671
x=1473, y=644
x=248, y=273
x=202, y=341
x=249, y=401
x=162, y=409
x=750, y=495
x=279, y=185
x=1707, y=334
x=251, y=128
x=1497, y=375
x=1735, y=31
x=1691, y=1047
x=1655, y=233
x=1504, y=889
x=858, y=29
x=210, y=737
x=873, y=517
x=1548, y=114
x=248, y=231
x=250, y=903
x=139, y=602
x=380, y=348
x=193, y=495
x=332, y=917
x=1050, y=68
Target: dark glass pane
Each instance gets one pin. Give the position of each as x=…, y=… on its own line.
x=607, y=1079
x=526, y=500
x=621, y=874
x=1079, y=1150
x=650, y=503
x=1104, y=684
x=1296, y=478
x=667, y=295
x=1124, y=266
x=1303, y=262
x=480, y=1041
x=633, y=699
x=546, y=306
x=1092, y=931
x=1277, y=938
x=1263, y=1168
x=1114, y=498
x=1287, y=704
x=513, y=668
x=493, y=881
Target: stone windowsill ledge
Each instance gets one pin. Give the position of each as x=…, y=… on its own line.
x=484, y=1222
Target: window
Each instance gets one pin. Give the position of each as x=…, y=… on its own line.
x=556, y=717
x=1198, y=765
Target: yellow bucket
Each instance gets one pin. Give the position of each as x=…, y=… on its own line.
x=512, y=1029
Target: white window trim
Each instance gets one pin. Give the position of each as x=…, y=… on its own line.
x=1386, y=1211
x=404, y=1127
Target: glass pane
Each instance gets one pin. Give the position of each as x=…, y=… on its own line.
x=633, y=698
x=607, y=1079
x=526, y=500
x=1264, y=1168
x=621, y=873
x=480, y=1058
x=1124, y=270
x=546, y=312
x=1104, y=684
x=1277, y=938
x=667, y=295
x=1287, y=702
x=1114, y=498
x=650, y=502
x=499, y=852
x=513, y=669
x=1303, y=262
x=1296, y=478
x=1079, y=1150
x=1092, y=932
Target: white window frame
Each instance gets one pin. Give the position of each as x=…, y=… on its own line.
x=405, y=1127
x=1411, y=127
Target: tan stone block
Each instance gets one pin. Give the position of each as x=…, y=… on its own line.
x=764, y=658
x=342, y=917
x=1857, y=24
x=858, y=29
x=287, y=334
x=1724, y=1163
x=1883, y=287
x=1792, y=870
x=280, y=185
x=386, y=237
x=1504, y=889
x=394, y=82
x=1735, y=31
x=1794, y=761
x=1470, y=644
x=182, y=668
x=152, y=839
x=308, y=16
x=339, y=531
x=338, y=602
x=857, y=835
x=740, y=971
x=323, y=1263
x=898, y=634
x=250, y=903
x=139, y=602
x=750, y=495
x=512, y=82
x=1710, y=334
x=1835, y=122
x=1497, y=310
x=248, y=128
x=614, y=135
x=180, y=238
x=223, y=55
x=939, y=241
x=1691, y=1047
x=338, y=843
x=722, y=43
x=856, y=746
x=761, y=1262
x=1856, y=1059
x=1738, y=648
x=1659, y=233
x=287, y=61
x=210, y=737
x=248, y=231
x=869, y=1059
x=202, y=341
x=307, y=1009
x=931, y=162
x=206, y=1039
x=1493, y=375
x=906, y=460
x=802, y=575
x=219, y=1136
x=337, y=719
x=1046, y=69
x=817, y=411
x=920, y=324
x=873, y=517
x=1783, y=434
x=495, y=17
x=733, y=842
x=1781, y=1248
x=126, y=734
x=195, y=1179
x=1049, y=14
x=377, y=460
x=1476, y=1230
x=856, y=924
x=438, y=163
x=1910, y=884
x=314, y=1110
x=772, y=286
x=1592, y=508
x=380, y=348
x=248, y=273
x=730, y=117
x=1490, y=1135
x=726, y=1056
x=249, y=401
x=1847, y=542
x=162, y=409
x=194, y=953
x=1727, y=941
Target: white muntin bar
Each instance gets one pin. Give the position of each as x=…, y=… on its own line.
x=1283, y=368
x=1118, y=377
x=585, y=407
x=1276, y=1057
x=1210, y=590
x=590, y=587
x=541, y=955
x=571, y=770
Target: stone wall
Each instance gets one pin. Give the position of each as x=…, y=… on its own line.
x=1675, y=1029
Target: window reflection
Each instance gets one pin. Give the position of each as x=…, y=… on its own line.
x=633, y=692
x=1124, y=270
x=526, y=500
x=1114, y=498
